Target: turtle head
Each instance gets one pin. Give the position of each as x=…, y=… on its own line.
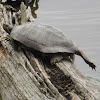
x=8, y=28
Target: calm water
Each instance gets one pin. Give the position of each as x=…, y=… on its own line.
x=80, y=20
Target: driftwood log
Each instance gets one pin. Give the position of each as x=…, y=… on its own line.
x=24, y=75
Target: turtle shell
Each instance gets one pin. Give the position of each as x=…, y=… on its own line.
x=43, y=38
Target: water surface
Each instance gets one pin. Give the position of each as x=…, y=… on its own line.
x=80, y=20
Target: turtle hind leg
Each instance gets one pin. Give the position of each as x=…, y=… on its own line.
x=56, y=58
x=80, y=53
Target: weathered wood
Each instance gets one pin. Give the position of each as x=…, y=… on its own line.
x=18, y=79
x=24, y=75
x=83, y=87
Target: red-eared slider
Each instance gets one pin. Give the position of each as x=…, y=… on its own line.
x=46, y=39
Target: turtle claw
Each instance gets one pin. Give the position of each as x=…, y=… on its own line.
x=8, y=38
x=92, y=66
x=94, y=69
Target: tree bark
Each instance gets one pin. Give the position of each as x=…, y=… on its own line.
x=24, y=75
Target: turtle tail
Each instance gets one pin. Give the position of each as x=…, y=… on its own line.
x=8, y=28
x=80, y=53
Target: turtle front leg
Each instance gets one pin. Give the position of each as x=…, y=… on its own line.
x=55, y=59
x=7, y=38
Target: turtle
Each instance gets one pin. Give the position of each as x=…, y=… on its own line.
x=46, y=39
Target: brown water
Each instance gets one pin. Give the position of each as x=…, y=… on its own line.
x=80, y=20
